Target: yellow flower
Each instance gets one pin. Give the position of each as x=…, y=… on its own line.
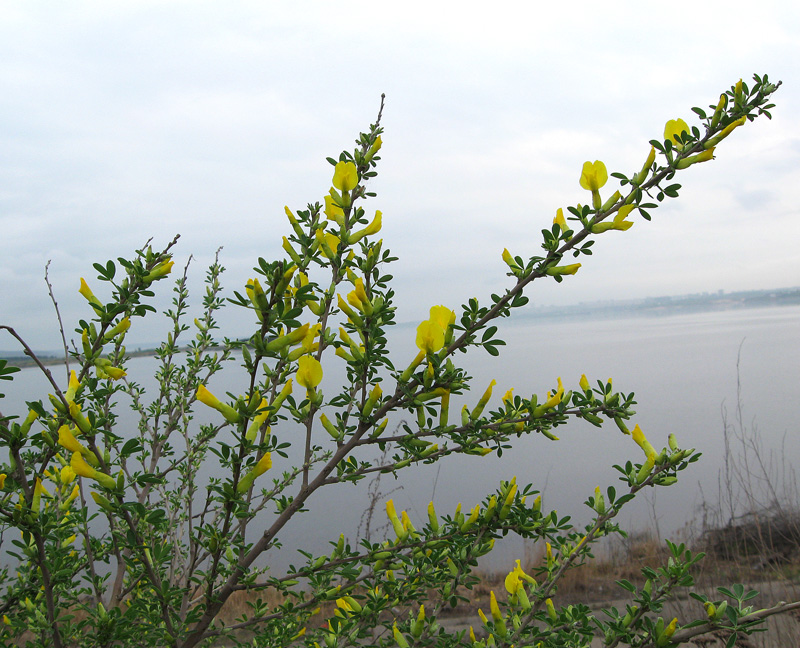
x=85, y=470
x=584, y=383
x=675, y=128
x=619, y=222
x=443, y=316
x=430, y=336
x=207, y=398
x=67, y=440
x=115, y=373
x=725, y=132
x=345, y=176
x=551, y=402
x=594, y=175
x=2, y=480
x=72, y=387
x=106, y=370
x=309, y=372
x=373, y=228
x=513, y=582
x=333, y=211
x=328, y=242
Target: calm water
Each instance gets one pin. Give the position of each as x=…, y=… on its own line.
x=683, y=369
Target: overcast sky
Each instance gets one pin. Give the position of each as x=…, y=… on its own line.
x=128, y=120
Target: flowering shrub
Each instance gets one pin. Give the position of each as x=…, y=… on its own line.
x=120, y=539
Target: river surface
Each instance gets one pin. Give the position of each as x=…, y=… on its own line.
x=683, y=369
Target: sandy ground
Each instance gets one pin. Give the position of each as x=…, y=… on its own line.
x=783, y=631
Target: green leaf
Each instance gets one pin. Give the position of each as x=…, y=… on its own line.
x=488, y=333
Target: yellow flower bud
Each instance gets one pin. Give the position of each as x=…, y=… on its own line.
x=121, y=327
x=262, y=466
x=560, y=271
x=434, y=521
x=293, y=221
x=560, y=220
x=89, y=295
x=642, y=442
x=258, y=420
x=399, y=639
x=648, y=164
x=705, y=156
x=397, y=525
x=376, y=146
x=161, y=270
x=551, y=610
x=483, y=401
x=330, y=428
x=509, y=261
x=372, y=400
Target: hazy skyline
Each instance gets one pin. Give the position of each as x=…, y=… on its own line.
x=132, y=120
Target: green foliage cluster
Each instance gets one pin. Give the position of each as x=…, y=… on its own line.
x=121, y=539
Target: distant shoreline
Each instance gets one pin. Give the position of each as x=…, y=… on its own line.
x=608, y=309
